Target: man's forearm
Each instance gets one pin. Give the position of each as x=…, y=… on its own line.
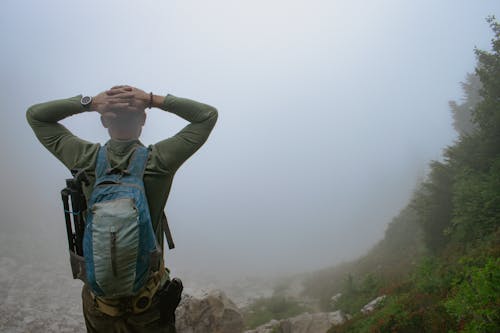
x=44, y=119
x=173, y=151
x=53, y=111
x=188, y=109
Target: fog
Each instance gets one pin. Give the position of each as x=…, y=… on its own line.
x=329, y=112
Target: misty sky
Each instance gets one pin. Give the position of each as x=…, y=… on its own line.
x=329, y=112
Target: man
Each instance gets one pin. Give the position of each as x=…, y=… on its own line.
x=122, y=109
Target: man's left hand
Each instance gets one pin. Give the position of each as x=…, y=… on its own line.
x=137, y=99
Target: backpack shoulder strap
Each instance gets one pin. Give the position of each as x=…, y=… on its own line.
x=136, y=167
x=102, y=163
x=138, y=161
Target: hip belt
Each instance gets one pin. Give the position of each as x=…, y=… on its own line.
x=131, y=305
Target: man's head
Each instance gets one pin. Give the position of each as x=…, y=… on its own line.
x=124, y=125
x=123, y=111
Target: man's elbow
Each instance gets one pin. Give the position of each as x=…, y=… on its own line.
x=29, y=114
x=213, y=113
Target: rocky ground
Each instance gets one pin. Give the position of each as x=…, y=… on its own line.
x=34, y=298
x=37, y=298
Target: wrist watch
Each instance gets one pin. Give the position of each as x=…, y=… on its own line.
x=85, y=101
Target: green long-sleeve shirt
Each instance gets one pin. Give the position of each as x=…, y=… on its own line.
x=165, y=158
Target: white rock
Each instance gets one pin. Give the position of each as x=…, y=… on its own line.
x=335, y=298
x=373, y=304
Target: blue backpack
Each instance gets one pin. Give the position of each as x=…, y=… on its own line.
x=119, y=244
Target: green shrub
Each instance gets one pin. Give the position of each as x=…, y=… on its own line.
x=409, y=312
x=475, y=300
x=357, y=293
x=264, y=310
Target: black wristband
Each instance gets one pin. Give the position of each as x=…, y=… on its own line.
x=150, y=100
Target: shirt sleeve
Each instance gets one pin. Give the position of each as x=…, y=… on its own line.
x=172, y=152
x=44, y=119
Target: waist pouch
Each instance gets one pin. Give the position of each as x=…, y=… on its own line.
x=169, y=297
x=131, y=305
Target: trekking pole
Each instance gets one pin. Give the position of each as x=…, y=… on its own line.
x=79, y=205
x=75, y=214
x=67, y=217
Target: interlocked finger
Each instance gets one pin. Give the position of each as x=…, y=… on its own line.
x=117, y=90
x=117, y=105
x=120, y=99
x=124, y=95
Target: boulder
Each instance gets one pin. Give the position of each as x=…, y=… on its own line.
x=212, y=312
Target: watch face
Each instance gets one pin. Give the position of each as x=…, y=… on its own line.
x=86, y=100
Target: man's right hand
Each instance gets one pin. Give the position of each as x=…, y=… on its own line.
x=108, y=105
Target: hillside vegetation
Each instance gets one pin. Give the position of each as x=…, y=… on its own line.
x=439, y=261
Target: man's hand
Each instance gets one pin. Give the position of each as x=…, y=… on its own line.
x=118, y=99
x=138, y=99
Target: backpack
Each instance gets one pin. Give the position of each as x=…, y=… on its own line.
x=119, y=244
